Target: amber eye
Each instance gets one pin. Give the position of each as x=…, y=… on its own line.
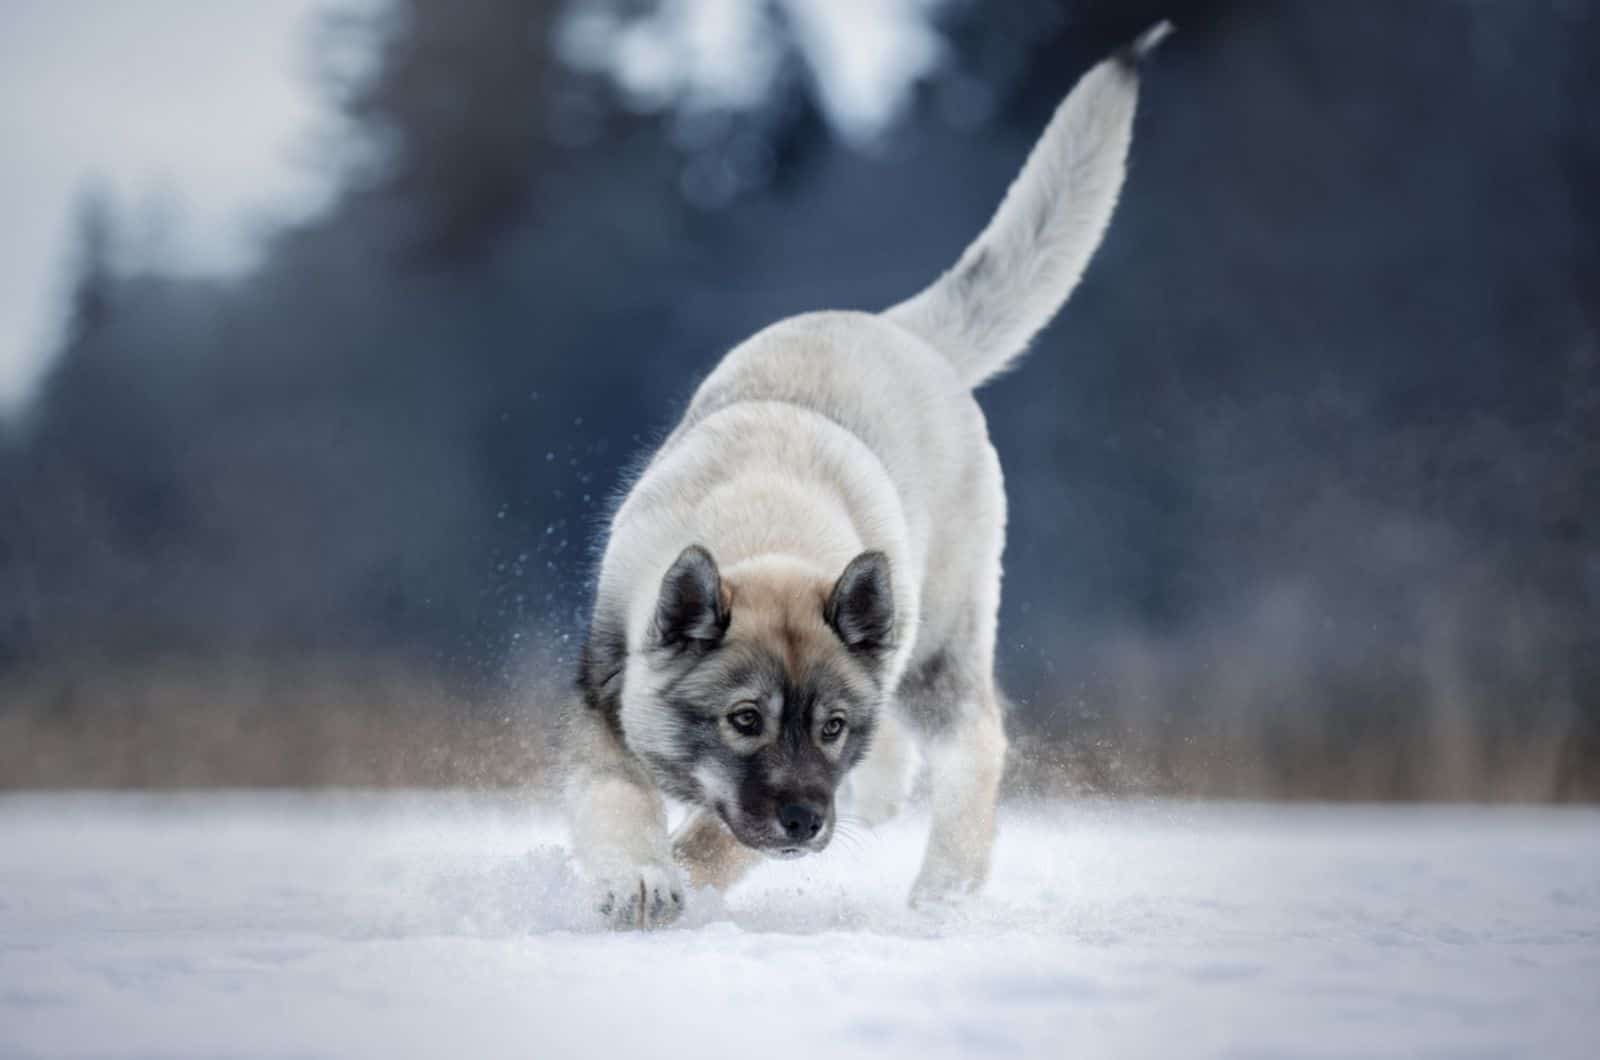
x=832, y=730
x=746, y=722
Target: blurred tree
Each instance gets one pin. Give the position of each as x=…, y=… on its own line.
x=93, y=285
x=457, y=106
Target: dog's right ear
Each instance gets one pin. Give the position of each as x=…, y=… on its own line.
x=691, y=611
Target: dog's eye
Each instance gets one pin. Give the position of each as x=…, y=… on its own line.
x=746, y=722
x=832, y=730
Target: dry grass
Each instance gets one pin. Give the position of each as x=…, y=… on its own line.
x=375, y=725
x=318, y=725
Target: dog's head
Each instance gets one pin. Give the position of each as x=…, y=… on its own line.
x=758, y=690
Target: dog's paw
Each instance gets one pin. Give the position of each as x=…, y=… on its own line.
x=873, y=808
x=942, y=892
x=937, y=903
x=649, y=896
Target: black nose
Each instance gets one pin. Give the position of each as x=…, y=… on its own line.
x=800, y=822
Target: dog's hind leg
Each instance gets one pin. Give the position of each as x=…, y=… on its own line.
x=965, y=762
x=705, y=849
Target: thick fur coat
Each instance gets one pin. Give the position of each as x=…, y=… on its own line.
x=808, y=569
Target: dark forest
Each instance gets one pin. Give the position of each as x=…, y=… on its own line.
x=1304, y=482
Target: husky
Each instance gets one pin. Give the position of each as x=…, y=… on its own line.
x=808, y=568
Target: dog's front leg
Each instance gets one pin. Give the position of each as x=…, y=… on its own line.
x=619, y=828
x=709, y=852
x=877, y=788
x=964, y=767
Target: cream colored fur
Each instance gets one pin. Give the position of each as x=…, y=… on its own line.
x=830, y=434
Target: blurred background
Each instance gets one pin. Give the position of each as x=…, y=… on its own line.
x=327, y=331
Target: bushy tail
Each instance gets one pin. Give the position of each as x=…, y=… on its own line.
x=1015, y=275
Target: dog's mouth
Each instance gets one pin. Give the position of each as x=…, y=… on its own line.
x=782, y=848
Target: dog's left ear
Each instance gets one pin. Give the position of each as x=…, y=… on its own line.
x=861, y=607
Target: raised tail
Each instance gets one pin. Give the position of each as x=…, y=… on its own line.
x=1014, y=277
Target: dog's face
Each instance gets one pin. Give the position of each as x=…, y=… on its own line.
x=759, y=691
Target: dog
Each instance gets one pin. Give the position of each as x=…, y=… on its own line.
x=809, y=566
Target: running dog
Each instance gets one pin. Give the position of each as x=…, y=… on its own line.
x=810, y=564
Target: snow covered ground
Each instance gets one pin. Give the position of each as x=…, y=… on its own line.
x=433, y=925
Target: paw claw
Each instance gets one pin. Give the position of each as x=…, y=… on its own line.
x=648, y=897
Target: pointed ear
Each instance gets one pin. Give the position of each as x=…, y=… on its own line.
x=861, y=607
x=690, y=611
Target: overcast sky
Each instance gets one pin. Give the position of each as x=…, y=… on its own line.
x=866, y=54
x=202, y=114
x=200, y=110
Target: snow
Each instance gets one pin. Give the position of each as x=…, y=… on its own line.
x=255, y=925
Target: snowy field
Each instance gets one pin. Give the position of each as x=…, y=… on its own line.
x=428, y=925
